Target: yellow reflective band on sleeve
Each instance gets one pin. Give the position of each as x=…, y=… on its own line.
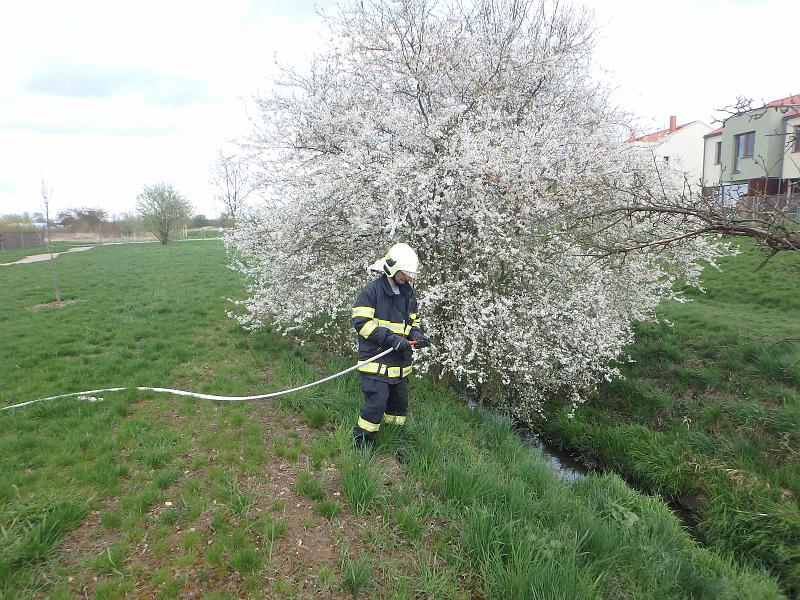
x=394, y=419
x=367, y=426
x=407, y=371
x=368, y=328
x=363, y=311
x=416, y=323
x=392, y=326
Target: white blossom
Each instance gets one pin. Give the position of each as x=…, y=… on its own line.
x=477, y=136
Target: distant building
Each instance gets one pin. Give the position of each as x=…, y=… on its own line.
x=679, y=146
x=755, y=153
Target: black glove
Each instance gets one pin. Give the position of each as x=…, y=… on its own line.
x=400, y=343
x=423, y=342
x=421, y=339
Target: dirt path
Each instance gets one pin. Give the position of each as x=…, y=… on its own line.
x=40, y=257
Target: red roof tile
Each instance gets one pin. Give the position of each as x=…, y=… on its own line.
x=656, y=136
x=717, y=131
x=788, y=101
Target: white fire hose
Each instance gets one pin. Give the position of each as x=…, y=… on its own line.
x=90, y=393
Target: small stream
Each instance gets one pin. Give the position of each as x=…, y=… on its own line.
x=570, y=469
x=565, y=466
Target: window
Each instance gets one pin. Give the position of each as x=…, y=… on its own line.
x=745, y=145
x=718, y=153
x=730, y=195
x=796, y=145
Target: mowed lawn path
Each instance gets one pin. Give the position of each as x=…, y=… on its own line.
x=142, y=496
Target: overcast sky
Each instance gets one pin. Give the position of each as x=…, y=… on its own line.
x=105, y=97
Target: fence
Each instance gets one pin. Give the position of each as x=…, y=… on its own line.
x=13, y=240
x=770, y=207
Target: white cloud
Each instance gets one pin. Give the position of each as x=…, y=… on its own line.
x=105, y=97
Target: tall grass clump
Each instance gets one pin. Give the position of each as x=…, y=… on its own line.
x=36, y=529
x=355, y=574
x=360, y=479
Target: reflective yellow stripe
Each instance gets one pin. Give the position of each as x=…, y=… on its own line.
x=368, y=328
x=391, y=326
x=394, y=419
x=416, y=323
x=382, y=369
x=363, y=311
x=408, y=329
x=367, y=426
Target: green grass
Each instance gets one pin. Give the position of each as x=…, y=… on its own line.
x=355, y=574
x=200, y=234
x=360, y=479
x=330, y=509
x=453, y=506
x=711, y=408
x=309, y=487
x=7, y=256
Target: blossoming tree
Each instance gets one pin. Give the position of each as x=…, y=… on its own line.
x=477, y=135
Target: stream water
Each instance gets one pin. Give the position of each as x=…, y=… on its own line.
x=570, y=469
x=565, y=466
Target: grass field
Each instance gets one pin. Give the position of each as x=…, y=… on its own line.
x=710, y=412
x=7, y=256
x=147, y=496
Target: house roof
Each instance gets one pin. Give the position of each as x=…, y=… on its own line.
x=793, y=112
x=792, y=104
x=658, y=135
x=788, y=101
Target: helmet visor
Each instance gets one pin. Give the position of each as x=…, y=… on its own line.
x=409, y=274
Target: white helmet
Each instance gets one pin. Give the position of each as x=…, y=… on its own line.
x=400, y=257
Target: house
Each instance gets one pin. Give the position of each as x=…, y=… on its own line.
x=679, y=146
x=755, y=153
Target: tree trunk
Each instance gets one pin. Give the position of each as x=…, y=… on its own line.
x=56, y=284
x=53, y=268
x=441, y=378
x=483, y=393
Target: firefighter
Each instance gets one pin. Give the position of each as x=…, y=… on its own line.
x=385, y=316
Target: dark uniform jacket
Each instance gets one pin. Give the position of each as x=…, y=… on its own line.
x=378, y=313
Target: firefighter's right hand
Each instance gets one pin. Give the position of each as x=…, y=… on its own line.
x=422, y=341
x=400, y=343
